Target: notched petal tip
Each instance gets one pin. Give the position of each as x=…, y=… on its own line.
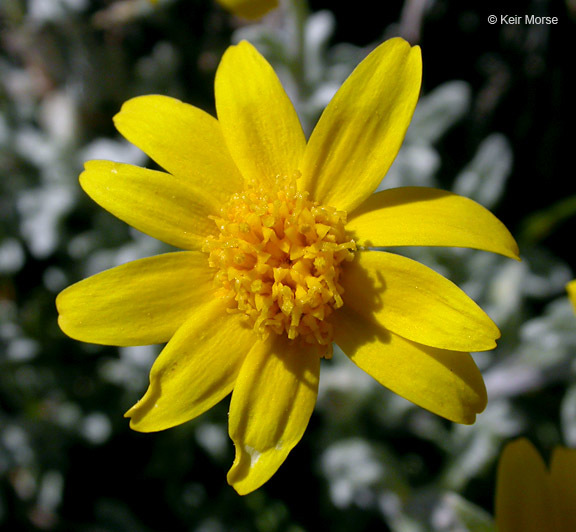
x=492, y=334
x=138, y=414
x=67, y=327
x=468, y=419
x=137, y=103
x=235, y=52
x=271, y=405
x=461, y=411
x=239, y=474
x=243, y=44
x=398, y=42
x=252, y=469
x=474, y=409
x=131, y=414
x=94, y=174
x=196, y=370
x=67, y=302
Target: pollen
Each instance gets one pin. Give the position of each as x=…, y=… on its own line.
x=279, y=257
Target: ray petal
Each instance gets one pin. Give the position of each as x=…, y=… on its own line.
x=182, y=139
x=138, y=303
x=415, y=302
x=271, y=405
x=259, y=122
x=170, y=209
x=421, y=216
x=447, y=383
x=196, y=369
x=360, y=132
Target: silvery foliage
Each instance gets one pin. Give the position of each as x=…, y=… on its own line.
x=41, y=135
x=534, y=353
x=42, y=150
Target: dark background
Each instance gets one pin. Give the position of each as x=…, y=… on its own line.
x=522, y=81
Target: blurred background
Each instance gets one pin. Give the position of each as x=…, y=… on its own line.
x=495, y=123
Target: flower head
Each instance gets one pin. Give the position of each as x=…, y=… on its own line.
x=532, y=498
x=571, y=289
x=249, y=9
x=278, y=263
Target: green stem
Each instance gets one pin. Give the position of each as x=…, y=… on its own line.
x=298, y=15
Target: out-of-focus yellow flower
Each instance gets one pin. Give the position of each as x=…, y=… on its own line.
x=249, y=9
x=571, y=289
x=532, y=498
x=278, y=233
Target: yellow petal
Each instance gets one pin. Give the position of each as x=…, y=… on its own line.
x=447, y=383
x=271, y=405
x=141, y=302
x=182, y=139
x=361, y=130
x=523, y=502
x=196, y=369
x=571, y=288
x=563, y=487
x=249, y=9
x=165, y=207
x=419, y=216
x=415, y=302
x=258, y=120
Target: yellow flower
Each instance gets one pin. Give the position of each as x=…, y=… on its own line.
x=531, y=498
x=571, y=288
x=249, y=9
x=278, y=263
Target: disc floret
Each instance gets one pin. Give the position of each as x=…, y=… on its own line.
x=279, y=257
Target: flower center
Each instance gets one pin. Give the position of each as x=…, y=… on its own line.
x=279, y=256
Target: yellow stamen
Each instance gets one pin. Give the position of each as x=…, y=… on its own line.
x=278, y=256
